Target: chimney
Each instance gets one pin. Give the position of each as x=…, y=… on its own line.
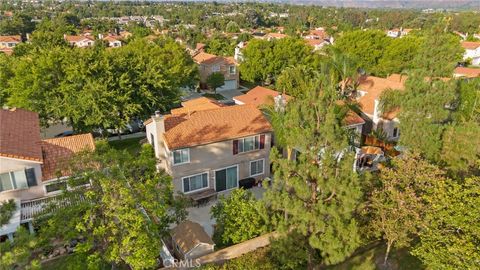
x=159, y=120
x=100, y=36
x=376, y=112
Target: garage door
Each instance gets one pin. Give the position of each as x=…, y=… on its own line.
x=229, y=85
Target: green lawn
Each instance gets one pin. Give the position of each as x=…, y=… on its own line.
x=214, y=96
x=132, y=145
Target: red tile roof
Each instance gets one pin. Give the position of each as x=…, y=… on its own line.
x=209, y=126
x=197, y=104
x=20, y=135
x=77, y=38
x=58, y=151
x=259, y=96
x=206, y=58
x=16, y=39
x=373, y=88
x=470, y=45
x=467, y=72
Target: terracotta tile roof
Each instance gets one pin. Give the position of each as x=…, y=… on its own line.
x=259, y=96
x=7, y=51
x=58, y=151
x=314, y=42
x=206, y=58
x=111, y=38
x=77, y=38
x=352, y=118
x=189, y=234
x=16, y=39
x=470, y=45
x=276, y=35
x=467, y=72
x=321, y=34
x=20, y=135
x=198, y=104
x=373, y=88
x=209, y=126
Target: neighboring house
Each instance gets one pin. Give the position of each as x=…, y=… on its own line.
x=398, y=33
x=112, y=41
x=273, y=36
x=190, y=241
x=317, y=44
x=31, y=168
x=211, y=150
x=7, y=43
x=318, y=33
x=472, y=52
x=465, y=72
x=259, y=96
x=198, y=104
x=369, y=91
x=209, y=63
x=318, y=38
x=80, y=41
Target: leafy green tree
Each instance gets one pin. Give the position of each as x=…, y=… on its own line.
x=367, y=48
x=450, y=238
x=20, y=24
x=399, y=55
x=397, y=206
x=439, y=52
x=231, y=213
x=220, y=45
x=316, y=194
x=265, y=60
x=232, y=27
x=124, y=213
x=18, y=254
x=215, y=80
x=7, y=208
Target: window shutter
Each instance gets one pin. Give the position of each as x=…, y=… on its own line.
x=31, y=179
x=262, y=141
x=235, y=147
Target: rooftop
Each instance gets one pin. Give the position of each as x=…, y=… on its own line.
x=189, y=234
x=259, y=96
x=11, y=39
x=214, y=125
x=467, y=72
x=470, y=45
x=197, y=104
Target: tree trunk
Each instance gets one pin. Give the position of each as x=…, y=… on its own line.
x=119, y=133
x=389, y=245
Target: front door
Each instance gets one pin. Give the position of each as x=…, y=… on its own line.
x=226, y=178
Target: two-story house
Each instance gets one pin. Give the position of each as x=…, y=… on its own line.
x=472, y=52
x=209, y=63
x=211, y=150
x=112, y=41
x=32, y=169
x=369, y=91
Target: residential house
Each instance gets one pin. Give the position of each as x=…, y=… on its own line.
x=398, y=33
x=274, y=36
x=112, y=41
x=466, y=72
x=190, y=241
x=209, y=63
x=472, y=52
x=80, y=41
x=207, y=151
x=7, y=43
x=369, y=91
x=32, y=169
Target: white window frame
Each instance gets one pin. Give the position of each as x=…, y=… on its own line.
x=230, y=70
x=224, y=168
x=216, y=68
x=14, y=188
x=393, y=132
x=173, y=157
x=196, y=190
x=263, y=167
x=243, y=144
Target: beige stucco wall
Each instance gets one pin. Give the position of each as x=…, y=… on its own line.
x=9, y=165
x=211, y=157
x=206, y=69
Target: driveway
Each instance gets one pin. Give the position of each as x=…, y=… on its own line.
x=202, y=214
x=229, y=94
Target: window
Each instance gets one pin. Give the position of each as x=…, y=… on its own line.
x=57, y=186
x=248, y=144
x=13, y=180
x=181, y=156
x=226, y=178
x=396, y=132
x=195, y=182
x=232, y=69
x=256, y=167
x=216, y=68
